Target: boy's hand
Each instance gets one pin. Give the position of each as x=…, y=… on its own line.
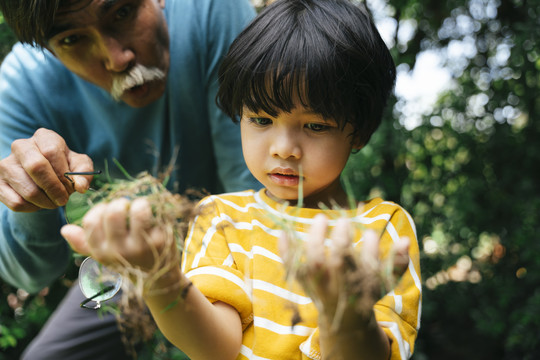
x=119, y=234
x=333, y=275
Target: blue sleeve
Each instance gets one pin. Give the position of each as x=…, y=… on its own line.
x=225, y=20
x=32, y=252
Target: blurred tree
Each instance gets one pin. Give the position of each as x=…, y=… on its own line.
x=466, y=173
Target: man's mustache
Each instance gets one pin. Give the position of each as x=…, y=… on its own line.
x=138, y=75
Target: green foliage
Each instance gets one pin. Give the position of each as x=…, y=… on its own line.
x=467, y=175
x=7, y=38
x=22, y=315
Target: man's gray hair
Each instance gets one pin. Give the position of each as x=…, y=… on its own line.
x=31, y=20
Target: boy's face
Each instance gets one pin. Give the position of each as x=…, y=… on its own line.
x=297, y=149
x=102, y=40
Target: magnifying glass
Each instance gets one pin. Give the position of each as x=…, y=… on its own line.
x=97, y=283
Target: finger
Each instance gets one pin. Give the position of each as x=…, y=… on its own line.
x=141, y=215
x=290, y=251
x=92, y=224
x=341, y=244
x=33, y=160
x=315, y=256
x=76, y=238
x=401, y=257
x=54, y=148
x=14, y=201
x=148, y=240
x=284, y=247
x=80, y=163
x=141, y=226
x=116, y=217
x=371, y=265
x=19, y=191
x=370, y=249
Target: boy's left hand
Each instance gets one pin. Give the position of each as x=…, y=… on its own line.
x=333, y=275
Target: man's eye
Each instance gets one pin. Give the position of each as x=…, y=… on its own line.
x=317, y=127
x=260, y=121
x=124, y=12
x=70, y=40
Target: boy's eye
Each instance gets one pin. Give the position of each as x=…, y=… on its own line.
x=317, y=127
x=260, y=121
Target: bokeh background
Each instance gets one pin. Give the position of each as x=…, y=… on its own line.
x=459, y=148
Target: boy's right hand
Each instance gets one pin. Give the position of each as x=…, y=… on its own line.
x=120, y=234
x=32, y=176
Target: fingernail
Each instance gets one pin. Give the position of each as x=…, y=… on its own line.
x=62, y=231
x=404, y=241
x=81, y=184
x=61, y=201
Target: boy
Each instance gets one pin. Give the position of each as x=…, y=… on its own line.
x=309, y=80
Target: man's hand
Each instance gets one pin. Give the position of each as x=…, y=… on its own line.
x=32, y=176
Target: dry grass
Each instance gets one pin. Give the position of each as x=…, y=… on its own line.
x=364, y=279
x=172, y=212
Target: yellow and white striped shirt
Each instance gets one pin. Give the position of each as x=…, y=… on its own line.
x=231, y=254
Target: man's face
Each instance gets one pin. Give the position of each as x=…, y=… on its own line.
x=121, y=46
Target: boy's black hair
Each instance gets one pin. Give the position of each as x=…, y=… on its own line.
x=327, y=54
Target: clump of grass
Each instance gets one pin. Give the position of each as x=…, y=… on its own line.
x=363, y=282
x=364, y=279
x=171, y=212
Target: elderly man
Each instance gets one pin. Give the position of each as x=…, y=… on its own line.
x=92, y=81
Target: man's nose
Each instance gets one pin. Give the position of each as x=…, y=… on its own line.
x=116, y=56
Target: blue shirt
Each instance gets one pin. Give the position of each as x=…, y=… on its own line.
x=36, y=91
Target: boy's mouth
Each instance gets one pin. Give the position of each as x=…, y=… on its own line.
x=284, y=171
x=286, y=177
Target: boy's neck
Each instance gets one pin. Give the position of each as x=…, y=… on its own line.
x=338, y=200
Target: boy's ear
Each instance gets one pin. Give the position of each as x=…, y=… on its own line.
x=357, y=144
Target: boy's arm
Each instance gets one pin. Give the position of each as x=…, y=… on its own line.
x=199, y=328
x=332, y=276
x=123, y=231
x=357, y=337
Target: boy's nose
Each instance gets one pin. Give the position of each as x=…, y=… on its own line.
x=285, y=145
x=117, y=57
